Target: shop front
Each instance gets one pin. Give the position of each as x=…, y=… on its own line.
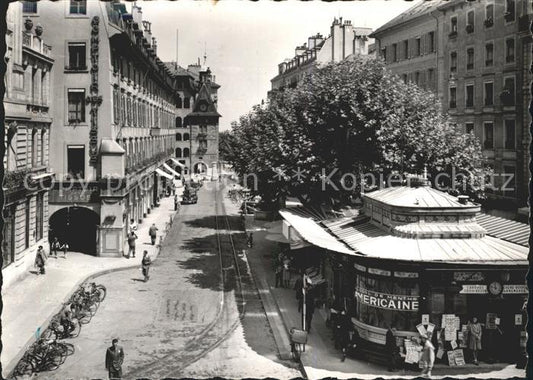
x=418, y=262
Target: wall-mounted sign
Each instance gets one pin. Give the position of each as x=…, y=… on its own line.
x=380, y=272
x=425, y=319
x=515, y=289
x=387, y=301
x=474, y=289
x=359, y=267
x=406, y=274
x=518, y=319
x=468, y=276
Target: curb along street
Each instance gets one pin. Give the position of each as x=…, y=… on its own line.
x=10, y=366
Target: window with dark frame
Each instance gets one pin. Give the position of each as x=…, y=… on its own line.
x=78, y=7
x=469, y=58
x=418, y=47
x=77, y=56
x=508, y=95
x=470, y=22
x=76, y=105
x=488, y=135
x=489, y=93
x=510, y=134
x=453, y=97
x=453, y=61
x=469, y=96
x=509, y=10
x=489, y=15
x=469, y=127
x=29, y=6
x=76, y=161
x=406, y=49
x=394, y=53
x=509, y=50
x=489, y=54
x=431, y=42
x=187, y=102
x=453, y=25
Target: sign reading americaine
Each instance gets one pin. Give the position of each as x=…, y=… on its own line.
x=387, y=301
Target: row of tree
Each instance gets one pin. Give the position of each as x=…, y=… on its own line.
x=343, y=122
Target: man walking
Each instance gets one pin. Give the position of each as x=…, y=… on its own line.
x=114, y=357
x=40, y=259
x=131, y=244
x=65, y=247
x=145, y=264
x=153, y=233
x=428, y=356
x=55, y=246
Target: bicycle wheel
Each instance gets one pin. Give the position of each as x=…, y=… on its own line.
x=77, y=328
x=24, y=368
x=66, y=349
x=102, y=292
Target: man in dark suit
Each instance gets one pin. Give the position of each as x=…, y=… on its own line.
x=114, y=357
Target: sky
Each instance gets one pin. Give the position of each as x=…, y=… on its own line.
x=245, y=41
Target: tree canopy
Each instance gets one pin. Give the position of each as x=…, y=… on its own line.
x=342, y=122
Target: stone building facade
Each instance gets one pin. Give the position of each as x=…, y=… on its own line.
x=344, y=40
x=479, y=59
x=28, y=121
x=196, y=140
x=114, y=121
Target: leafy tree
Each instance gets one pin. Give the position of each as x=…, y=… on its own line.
x=345, y=119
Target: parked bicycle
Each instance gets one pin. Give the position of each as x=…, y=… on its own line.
x=62, y=327
x=43, y=355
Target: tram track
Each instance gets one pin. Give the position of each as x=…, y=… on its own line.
x=232, y=270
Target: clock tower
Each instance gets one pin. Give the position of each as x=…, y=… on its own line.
x=203, y=124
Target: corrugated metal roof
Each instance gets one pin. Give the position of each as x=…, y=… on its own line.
x=369, y=240
x=505, y=229
x=418, y=197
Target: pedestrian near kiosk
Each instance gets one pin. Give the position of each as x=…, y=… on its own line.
x=279, y=272
x=114, y=358
x=298, y=287
x=145, y=265
x=131, y=244
x=427, y=359
x=286, y=272
x=176, y=202
x=250, y=240
x=391, y=348
x=153, y=233
x=309, y=309
x=56, y=246
x=343, y=331
x=40, y=259
x=474, y=337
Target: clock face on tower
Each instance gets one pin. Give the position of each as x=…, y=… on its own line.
x=495, y=288
x=203, y=107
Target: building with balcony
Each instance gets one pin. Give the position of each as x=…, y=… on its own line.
x=27, y=121
x=344, y=40
x=475, y=54
x=114, y=121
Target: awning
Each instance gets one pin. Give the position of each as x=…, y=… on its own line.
x=313, y=233
x=41, y=176
x=177, y=162
x=164, y=174
x=172, y=171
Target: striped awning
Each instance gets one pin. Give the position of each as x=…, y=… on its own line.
x=164, y=174
x=177, y=162
x=314, y=233
x=172, y=171
x=505, y=229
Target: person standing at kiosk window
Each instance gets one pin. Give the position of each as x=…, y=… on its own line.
x=474, y=337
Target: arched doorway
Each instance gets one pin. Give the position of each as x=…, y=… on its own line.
x=77, y=226
x=200, y=168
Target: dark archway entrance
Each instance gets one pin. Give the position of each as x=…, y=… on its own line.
x=200, y=168
x=78, y=226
